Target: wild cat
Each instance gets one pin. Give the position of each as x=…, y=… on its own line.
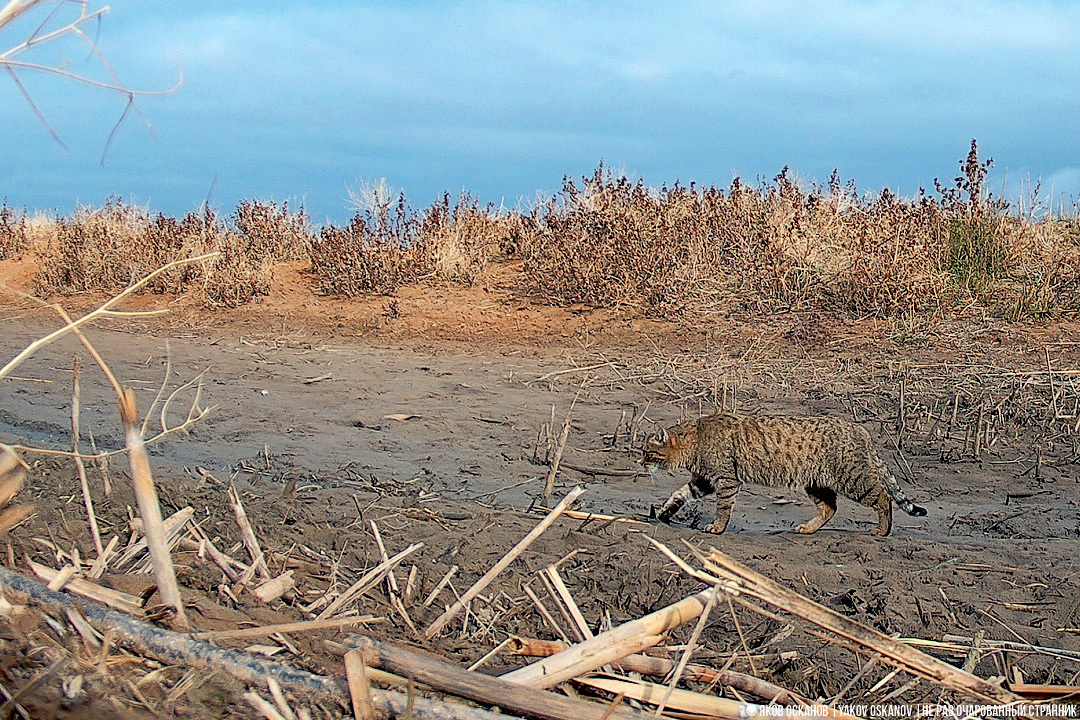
x=825, y=456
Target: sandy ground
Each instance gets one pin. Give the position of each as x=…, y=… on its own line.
x=426, y=412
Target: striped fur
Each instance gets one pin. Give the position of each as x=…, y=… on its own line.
x=824, y=456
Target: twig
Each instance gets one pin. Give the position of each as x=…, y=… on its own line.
x=247, y=535
x=440, y=585
x=370, y=579
x=84, y=483
x=291, y=627
x=100, y=311
x=560, y=447
x=690, y=645
x=586, y=368
x=546, y=614
x=161, y=390
x=568, y=600
x=510, y=556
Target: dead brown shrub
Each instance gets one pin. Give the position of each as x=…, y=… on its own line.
x=105, y=249
x=612, y=242
x=391, y=245
x=377, y=252
x=14, y=233
x=462, y=239
x=273, y=231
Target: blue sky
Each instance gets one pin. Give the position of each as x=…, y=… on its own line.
x=300, y=101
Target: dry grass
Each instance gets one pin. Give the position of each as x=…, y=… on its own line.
x=611, y=242
x=391, y=244
x=104, y=249
x=463, y=238
x=14, y=232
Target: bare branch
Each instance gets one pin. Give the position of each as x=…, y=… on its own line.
x=100, y=311
x=193, y=419
x=34, y=107
x=16, y=8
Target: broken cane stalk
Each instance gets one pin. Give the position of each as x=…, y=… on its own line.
x=510, y=556
x=150, y=511
x=610, y=646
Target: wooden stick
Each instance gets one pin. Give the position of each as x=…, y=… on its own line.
x=263, y=706
x=692, y=702
x=101, y=562
x=509, y=696
x=512, y=555
x=220, y=559
x=176, y=649
x=690, y=645
x=113, y=598
x=369, y=580
x=390, y=579
x=604, y=648
x=560, y=447
x=359, y=687
x=279, y=699
x=79, y=467
x=1042, y=692
x=247, y=535
x=742, y=579
x=568, y=600
x=150, y=511
x=172, y=525
x=441, y=584
x=62, y=577
x=544, y=613
x=292, y=627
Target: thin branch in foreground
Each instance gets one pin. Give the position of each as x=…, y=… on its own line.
x=16, y=8
x=150, y=511
x=100, y=311
x=79, y=467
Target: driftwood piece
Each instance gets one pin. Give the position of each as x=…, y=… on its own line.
x=510, y=696
x=605, y=648
x=498, y=567
x=176, y=649
x=739, y=579
x=271, y=590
